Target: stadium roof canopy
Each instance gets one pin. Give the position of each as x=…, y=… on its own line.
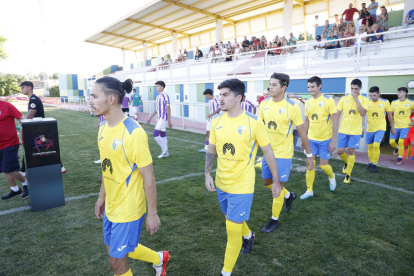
x=155, y=22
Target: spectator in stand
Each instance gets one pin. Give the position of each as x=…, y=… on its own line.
x=377, y=38
x=326, y=28
x=229, y=53
x=349, y=32
x=263, y=40
x=342, y=26
x=185, y=55
x=409, y=19
x=199, y=54
x=285, y=49
x=265, y=95
x=180, y=56
x=349, y=13
x=217, y=53
x=276, y=38
x=292, y=42
x=246, y=44
x=252, y=45
x=372, y=8
x=316, y=22
x=382, y=19
x=336, y=18
x=161, y=65
x=361, y=14
x=257, y=44
x=319, y=45
x=361, y=40
x=335, y=29
x=169, y=60
x=211, y=53
x=237, y=51
x=332, y=45
x=368, y=20
x=235, y=43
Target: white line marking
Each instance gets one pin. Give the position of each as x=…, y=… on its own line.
x=95, y=194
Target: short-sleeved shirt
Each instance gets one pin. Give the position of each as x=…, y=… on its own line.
x=370, y=20
x=237, y=140
x=351, y=123
x=411, y=129
x=374, y=10
x=293, y=39
x=349, y=14
x=327, y=30
x=36, y=103
x=279, y=118
x=402, y=112
x=213, y=105
x=136, y=100
x=123, y=149
x=8, y=113
x=125, y=101
x=376, y=114
x=374, y=37
x=248, y=106
x=410, y=15
x=362, y=16
x=319, y=112
x=333, y=42
x=246, y=43
x=161, y=104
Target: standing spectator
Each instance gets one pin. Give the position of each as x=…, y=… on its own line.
x=342, y=26
x=292, y=41
x=9, y=149
x=199, y=54
x=276, y=38
x=368, y=20
x=326, y=28
x=409, y=19
x=126, y=101
x=246, y=44
x=349, y=13
x=376, y=39
x=372, y=8
x=332, y=45
x=382, y=19
x=136, y=103
x=316, y=22
x=361, y=15
x=336, y=18
x=235, y=43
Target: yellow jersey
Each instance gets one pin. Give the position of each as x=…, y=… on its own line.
x=376, y=115
x=319, y=112
x=278, y=118
x=351, y=123
x=123, y=149
x=402, y=112
x=237, y=141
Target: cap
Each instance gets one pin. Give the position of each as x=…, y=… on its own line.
x=318, y=37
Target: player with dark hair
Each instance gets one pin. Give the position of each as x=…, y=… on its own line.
x=352, y=125
x=163, y=111
x=377, y=111
x=127, y=180
x=214, y=109
x=402, y=109
x=279, y=115
x=235, y=136
x=321, y=124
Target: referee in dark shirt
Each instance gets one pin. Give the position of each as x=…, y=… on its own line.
x=35, y=109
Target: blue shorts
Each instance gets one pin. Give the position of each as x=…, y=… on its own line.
x=350, y=141
x=9, y=159
x=321, y=148
x=236, y=207
x=375, y=137
x=122, y=238
x=283, y=169
x=401, y=133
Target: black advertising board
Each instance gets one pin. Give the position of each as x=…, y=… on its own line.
x=41, y=142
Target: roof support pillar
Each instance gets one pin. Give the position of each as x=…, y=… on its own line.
x=287, y=17
x=123, y=60
x=144, y=54
x=219, y=31
x=174, y=46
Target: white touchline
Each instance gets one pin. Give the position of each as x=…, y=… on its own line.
x=95, y=194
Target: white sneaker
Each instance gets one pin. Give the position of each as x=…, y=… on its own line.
x=332, y=183
x=202, y=150
x=306, y=195
x=161, y=269
x=163, y=154
x=97, y=161
x=63, y=169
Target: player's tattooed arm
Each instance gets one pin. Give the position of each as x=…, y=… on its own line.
x=209, y=161
x=210, y=156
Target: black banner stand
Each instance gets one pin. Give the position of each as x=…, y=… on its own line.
x=41, y=145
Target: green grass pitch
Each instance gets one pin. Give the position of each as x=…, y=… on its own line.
x=360, y=229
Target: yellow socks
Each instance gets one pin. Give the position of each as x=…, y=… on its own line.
x=393, y=143
x=278, y=203
x=128, y=273
x=245, y=230
x=328, y=170
x=344, y=157
x=351, y=163
x=145, y=254
x=401, y=147
x=376, y=153
x=310, y=178
x=234, y=245
x=371, y=152
x=269, y=186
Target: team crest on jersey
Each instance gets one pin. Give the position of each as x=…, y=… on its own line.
x=116, y=144
x=281, y=110
x=407, y=105
x=242, y=130
x=381, y=105
x=320, y=104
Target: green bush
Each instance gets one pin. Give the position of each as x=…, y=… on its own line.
x=54, y=91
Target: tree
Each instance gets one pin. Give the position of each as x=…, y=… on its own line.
x=42, y=76
x=19, y=78
x=55, y=76
x=3, y=54
x=8, y=85
x=54, y=91
x=31, y=76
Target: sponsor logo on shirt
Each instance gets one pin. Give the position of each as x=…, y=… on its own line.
x=401, y=113
x=107, y=163
x=228, y=147
x=374, y=114
x=242, y=130
x=315, y=117
x=272, y=124
x=116, y=144
x=352, y=111
x=219, y=127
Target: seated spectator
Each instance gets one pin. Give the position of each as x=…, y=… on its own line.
x=168, y=61
x=161, y=65
x=342, y=26
x=349, y=32
x=376, y=39
x=285, y=49
x=185, y=55
x=335, y=29
x=237, y=51
x=326, y=28
x=276, y=47
x=316, y=22
x=230, y=52
x=349, y=13
x=217, y=53
x=382, y=19
x=235, y=43
x=368, y=20
x=361, y=40
x=211, y=53
x=252, y=45
x=409, y=19
x=257, y=44
x=276, y=38
x=246, y=44
x=228, y=43
x=319, y=45
x=198, y=54
x=292, y=41
x=366, y=29
x=180, y=56
x=332, y=45
x=263, y=41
